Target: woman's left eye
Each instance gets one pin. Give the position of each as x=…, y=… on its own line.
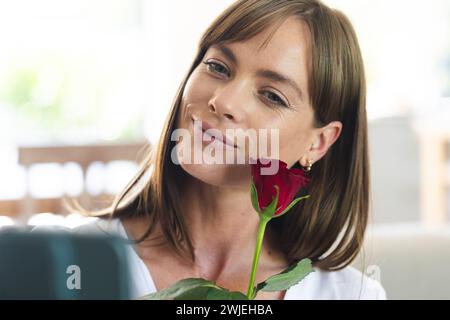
x=274, y=98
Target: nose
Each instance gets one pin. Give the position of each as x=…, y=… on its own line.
x=228, y=102
x=226, y=115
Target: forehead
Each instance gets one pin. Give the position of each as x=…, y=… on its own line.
x=285, y=51
x=289, y=42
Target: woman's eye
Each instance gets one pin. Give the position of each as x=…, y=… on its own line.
x=270, y=96
x=216, y=68
x=274, y=98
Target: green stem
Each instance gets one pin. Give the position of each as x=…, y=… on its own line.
x=261, y=229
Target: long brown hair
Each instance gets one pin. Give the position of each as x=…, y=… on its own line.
x=329, y=227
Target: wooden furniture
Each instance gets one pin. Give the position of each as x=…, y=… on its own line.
x=83, y=155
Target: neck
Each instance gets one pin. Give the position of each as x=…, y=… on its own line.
x=223, y=226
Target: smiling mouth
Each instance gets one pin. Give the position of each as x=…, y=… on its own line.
x=222, y=138
x=214, y=138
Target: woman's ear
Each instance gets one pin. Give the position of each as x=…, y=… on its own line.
x=324, y=139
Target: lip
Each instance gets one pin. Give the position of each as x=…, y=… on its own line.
x=224, y=139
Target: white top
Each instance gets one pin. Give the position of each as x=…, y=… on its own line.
x=346, y=284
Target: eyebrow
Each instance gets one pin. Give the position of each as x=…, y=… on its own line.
x=265, y=73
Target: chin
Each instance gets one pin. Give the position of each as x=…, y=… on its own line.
x=219, y=175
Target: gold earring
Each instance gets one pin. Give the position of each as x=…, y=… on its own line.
x=309, y=167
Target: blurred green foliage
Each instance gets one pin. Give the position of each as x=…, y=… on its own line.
x=57, y=96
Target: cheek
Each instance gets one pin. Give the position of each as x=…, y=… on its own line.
x=198, y=88
x=196, y=95
x=294, y=137
x=293, y=133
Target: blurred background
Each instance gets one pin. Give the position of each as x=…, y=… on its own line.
x=84, y=85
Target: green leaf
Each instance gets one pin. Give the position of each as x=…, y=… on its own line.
x=224, y=294
x=197, y=293
x=289, y=277
x=289, y=207
x=195, y=287
x=270, y=210
x=254, y=196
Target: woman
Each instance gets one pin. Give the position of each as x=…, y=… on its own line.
x=290, y=65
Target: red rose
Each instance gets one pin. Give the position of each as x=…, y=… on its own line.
x=285, y=184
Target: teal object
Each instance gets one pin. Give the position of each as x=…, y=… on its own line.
x=62, y=265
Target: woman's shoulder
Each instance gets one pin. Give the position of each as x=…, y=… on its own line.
x=345, y=284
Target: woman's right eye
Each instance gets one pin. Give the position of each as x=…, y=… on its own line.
x=216, y=68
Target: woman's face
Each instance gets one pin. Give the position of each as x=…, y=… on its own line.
x=238, y=86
